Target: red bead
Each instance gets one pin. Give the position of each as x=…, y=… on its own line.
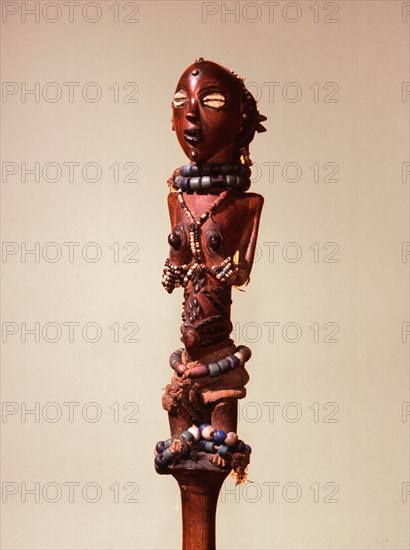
x=180, y=368
x=199, y=371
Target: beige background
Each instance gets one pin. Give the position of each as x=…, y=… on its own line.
x=324, y=411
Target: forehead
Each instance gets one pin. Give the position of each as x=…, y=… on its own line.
x=205, y=74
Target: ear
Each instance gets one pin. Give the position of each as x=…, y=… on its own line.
x=172, y=125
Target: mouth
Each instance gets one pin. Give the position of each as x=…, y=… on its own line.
x=193, y=136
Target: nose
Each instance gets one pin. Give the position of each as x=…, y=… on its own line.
x=193, y=112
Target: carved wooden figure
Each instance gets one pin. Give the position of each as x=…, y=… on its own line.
x=214, y=227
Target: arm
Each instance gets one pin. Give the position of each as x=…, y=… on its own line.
x=248, y=241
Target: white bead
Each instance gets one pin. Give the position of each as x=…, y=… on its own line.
x=231, y=439
x=208, y=432
x=195, y=432
x=240, y=356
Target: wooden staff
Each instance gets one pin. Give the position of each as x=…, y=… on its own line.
x=214, y=227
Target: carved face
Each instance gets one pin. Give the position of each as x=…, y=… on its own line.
x=207, y=113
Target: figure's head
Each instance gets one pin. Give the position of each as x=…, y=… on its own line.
x=214, y=115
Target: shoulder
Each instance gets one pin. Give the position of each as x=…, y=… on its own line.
x=250, y=201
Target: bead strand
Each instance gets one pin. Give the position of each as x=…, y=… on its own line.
x=203, y=438
x=206, y=183
x=189, y=170
x=231, y=362
x=174, y=276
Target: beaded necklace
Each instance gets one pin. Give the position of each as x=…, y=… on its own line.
x=191, y=178
x=179, y=275
x=194, y=228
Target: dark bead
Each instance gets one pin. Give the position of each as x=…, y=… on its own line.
x=185, y=170
x=206, y=169
x=168, y=455
x=245, y=171
x=240, y=181
x=240, y=447
x=195, y=171
x=224, y=365
x=234, y=361
x=245, y=351
x=188, y=436
x=175, y=357
x=168, y=442
x=189, y=170
x=160, y=462
x=218, y=181
x=230, y=180
x=159, y=447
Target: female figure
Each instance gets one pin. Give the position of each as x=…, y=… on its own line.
x=214, y=226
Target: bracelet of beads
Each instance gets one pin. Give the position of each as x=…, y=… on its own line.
x=241, y=355
x=204, y=438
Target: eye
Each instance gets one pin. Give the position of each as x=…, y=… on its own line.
x=214, y=100
x=179, y=98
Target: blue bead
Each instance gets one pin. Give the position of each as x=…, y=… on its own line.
x=214, y=369
x=223, y=450
x=159, y=447
x=219, y=437
x=248, y=449
x=184, y=185
x=210, y=447
x=168, y=442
